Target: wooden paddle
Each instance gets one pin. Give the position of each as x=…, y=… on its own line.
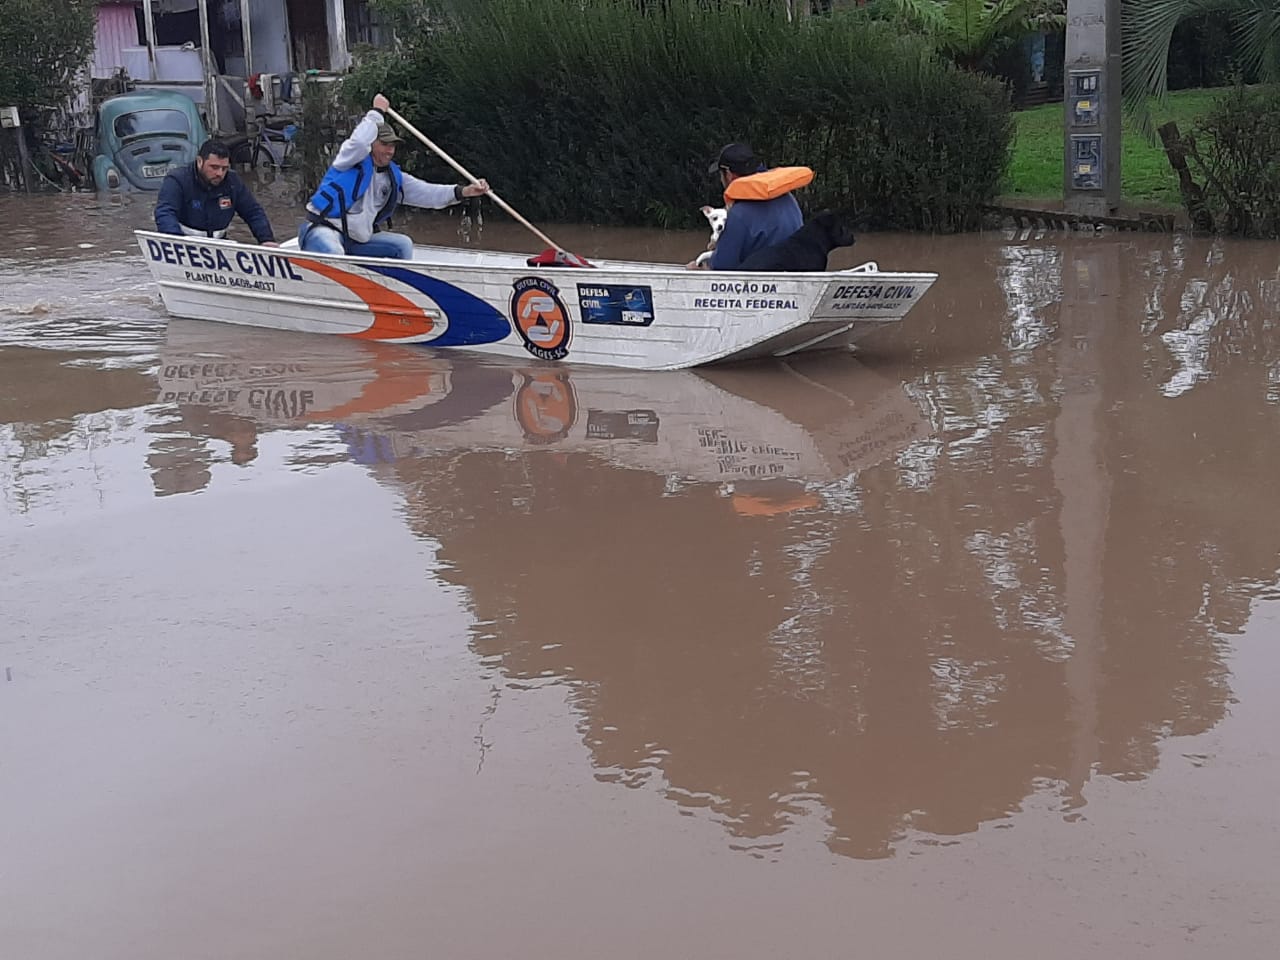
x=564, y=256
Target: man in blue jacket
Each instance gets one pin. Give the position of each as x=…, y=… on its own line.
x=200, y=200
x=363, y=187
x=751, y=224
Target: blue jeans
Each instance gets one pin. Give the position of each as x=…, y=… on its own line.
x=318, y=239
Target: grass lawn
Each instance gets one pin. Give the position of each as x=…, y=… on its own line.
x=1145, y=174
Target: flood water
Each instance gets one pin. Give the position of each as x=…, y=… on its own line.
x=966, y=647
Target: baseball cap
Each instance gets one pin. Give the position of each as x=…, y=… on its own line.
x=387, y=134
x=736, y=158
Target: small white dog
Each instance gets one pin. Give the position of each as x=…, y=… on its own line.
x=716, y=217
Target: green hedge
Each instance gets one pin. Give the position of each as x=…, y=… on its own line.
x=602, y=111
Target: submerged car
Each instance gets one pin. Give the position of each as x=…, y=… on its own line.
x=141, y=135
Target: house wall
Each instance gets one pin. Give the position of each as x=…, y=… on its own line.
x=117, y=28
x=269, y=25
x=314, y=36
x=176, y=22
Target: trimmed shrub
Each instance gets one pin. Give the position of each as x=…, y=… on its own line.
x=605, y=111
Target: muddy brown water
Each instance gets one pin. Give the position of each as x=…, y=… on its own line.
x=965, y=647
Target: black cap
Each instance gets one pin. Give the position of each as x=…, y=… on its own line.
x=736, y=158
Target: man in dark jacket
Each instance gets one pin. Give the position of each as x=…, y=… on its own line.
x=201, y=200
x=754, y=224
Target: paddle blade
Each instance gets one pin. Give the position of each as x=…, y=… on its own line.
x=551, y=257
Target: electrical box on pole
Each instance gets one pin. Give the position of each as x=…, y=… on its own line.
x=1091, y=175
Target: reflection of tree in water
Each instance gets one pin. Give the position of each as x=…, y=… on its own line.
x=899, y=694
x=1048, y=601
x=53, y=399
x=47, y=393
x=1197, y=539
x=655, y=603
x=1209, y=302
x=1182, y=557
x=181, y=457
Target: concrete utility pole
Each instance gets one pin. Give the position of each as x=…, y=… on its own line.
x=1091, y=183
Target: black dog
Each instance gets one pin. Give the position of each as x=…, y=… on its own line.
x=804, y=250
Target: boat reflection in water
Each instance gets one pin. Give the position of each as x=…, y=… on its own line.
x=819, y=418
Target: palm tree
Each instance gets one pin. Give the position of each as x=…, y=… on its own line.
x=1147, y=27
x=973, y=32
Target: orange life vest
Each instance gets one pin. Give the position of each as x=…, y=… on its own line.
x=767, y=184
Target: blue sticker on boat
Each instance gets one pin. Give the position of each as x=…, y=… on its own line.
x=471, y=320
x=615, y=305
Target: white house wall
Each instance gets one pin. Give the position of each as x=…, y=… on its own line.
x=269, y=24
x=117, y=28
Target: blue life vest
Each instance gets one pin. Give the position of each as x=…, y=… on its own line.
x=340, y=190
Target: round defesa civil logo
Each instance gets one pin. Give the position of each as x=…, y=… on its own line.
x=541, y=318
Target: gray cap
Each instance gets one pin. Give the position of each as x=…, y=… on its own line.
x=387, y=134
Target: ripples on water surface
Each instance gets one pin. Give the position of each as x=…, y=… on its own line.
x=966, y=646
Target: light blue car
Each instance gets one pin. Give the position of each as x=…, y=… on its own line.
x=141, y=135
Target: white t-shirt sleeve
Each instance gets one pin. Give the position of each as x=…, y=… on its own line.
x=433, y=196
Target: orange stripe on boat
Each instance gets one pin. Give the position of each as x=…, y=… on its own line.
x=394, y=316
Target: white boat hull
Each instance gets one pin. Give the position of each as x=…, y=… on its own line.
x=640, y=316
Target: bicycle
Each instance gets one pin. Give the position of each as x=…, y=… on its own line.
x=274, y=144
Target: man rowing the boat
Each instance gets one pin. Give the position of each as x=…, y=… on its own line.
x=762, y=210
x=201, y=199
x=362, y=189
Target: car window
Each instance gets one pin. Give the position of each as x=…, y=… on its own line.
x=152, y=121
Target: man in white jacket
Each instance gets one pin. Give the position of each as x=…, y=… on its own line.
x=363, y=187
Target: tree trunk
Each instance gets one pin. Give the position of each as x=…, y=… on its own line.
x=1192, y=195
